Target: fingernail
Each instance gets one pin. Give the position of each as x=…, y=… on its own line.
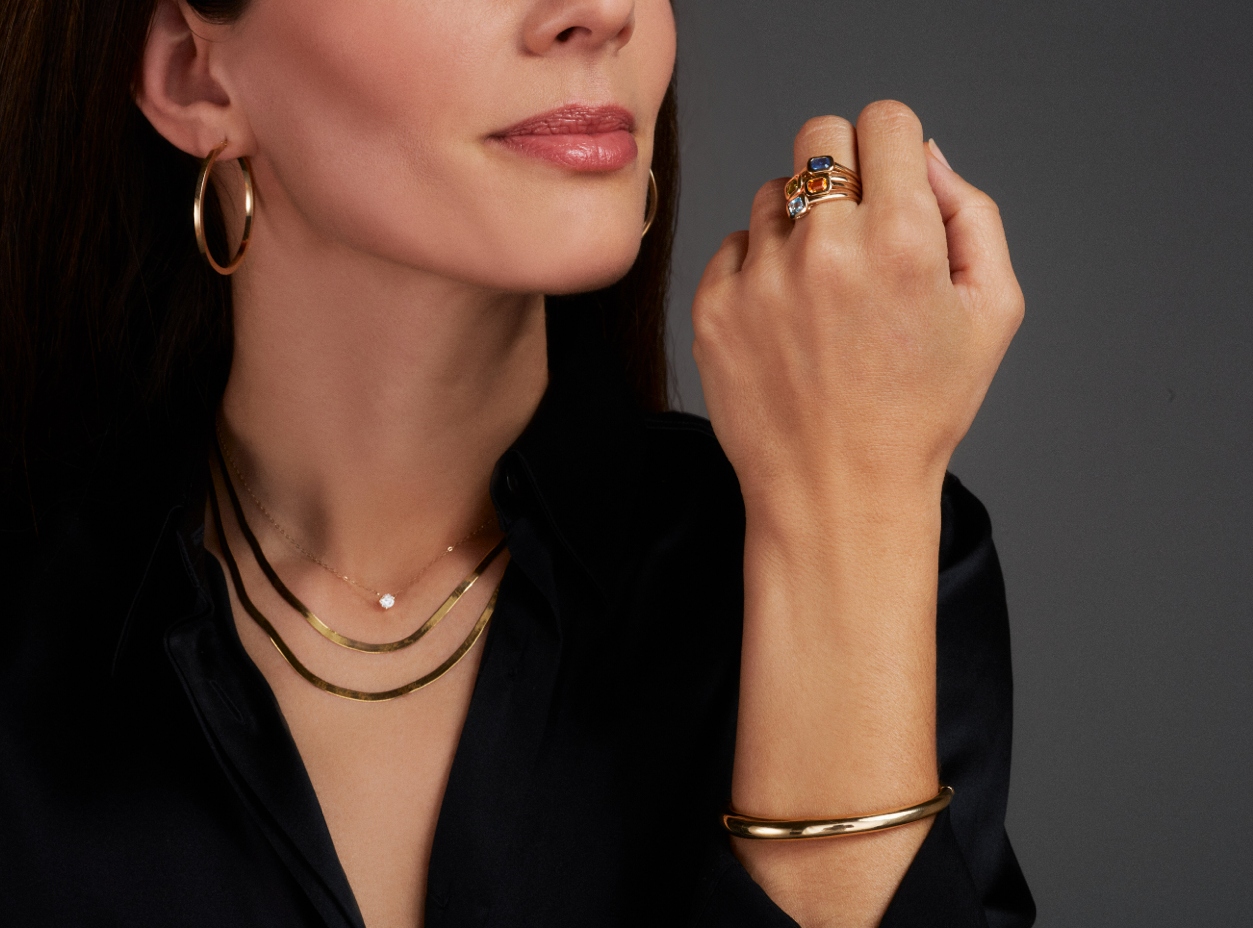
x=939, y=155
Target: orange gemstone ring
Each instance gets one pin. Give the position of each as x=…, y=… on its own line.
x=824, y=178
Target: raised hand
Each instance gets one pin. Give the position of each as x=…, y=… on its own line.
x=857, y=342
x=843, y=356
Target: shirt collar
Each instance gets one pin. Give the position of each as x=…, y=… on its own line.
x=577, y=466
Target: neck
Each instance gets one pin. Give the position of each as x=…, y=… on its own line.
x=368, y=403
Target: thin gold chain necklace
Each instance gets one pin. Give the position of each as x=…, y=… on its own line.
x=386, y=600
x=316, y=623
x=326, y=686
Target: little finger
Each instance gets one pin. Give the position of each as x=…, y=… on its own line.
x=768, y=224
x=726, y=262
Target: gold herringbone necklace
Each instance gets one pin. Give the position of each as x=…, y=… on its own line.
x=326, y=686
x=386, y=600
x=316, y=623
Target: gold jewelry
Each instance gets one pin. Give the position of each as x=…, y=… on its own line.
x=197, y=211
x=824, y=178
x=317, y=624
x=341, y=691
x=650, y=211
x=746, y=826
x=386, y=600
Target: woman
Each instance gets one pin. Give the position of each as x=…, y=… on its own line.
x=238, y=689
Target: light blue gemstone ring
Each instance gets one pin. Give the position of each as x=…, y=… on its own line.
x=824, y=178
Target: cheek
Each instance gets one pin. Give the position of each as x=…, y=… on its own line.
x=657, y=34
x=371, y=119
x=349, y=103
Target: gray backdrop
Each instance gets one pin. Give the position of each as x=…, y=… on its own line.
x=1114, y=449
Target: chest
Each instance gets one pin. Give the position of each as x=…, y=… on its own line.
x=379, y=769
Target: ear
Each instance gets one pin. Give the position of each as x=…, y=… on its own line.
x=181, y=88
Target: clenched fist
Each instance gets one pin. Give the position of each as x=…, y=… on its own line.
x=857, y=342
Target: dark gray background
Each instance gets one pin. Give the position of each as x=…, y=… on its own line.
x=1114, y=450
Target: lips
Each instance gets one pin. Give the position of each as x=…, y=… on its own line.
x=583, y=138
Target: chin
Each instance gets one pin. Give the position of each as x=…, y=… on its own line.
x=576, y=277
x=569, y=263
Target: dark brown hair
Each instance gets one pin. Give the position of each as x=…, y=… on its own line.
x=115, y=336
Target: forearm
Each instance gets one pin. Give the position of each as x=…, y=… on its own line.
x=843, y=356
x=837, y=705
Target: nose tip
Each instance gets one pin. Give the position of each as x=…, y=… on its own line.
x=582, y=24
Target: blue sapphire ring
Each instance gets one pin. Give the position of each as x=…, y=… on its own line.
x=824, y=178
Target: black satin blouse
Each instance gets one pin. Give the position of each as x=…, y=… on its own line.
x=147, y=777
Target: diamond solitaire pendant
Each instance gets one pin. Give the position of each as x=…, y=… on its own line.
x=387, y=600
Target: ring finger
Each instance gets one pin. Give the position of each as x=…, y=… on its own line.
x=834, y=137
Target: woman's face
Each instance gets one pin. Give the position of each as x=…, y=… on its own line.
x=505, y=143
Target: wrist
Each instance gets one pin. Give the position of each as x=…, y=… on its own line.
x=798, y=505
x=838, y=668
x=827, y=532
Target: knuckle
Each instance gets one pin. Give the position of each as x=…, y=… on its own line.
x=1017, y=306
x=982, y=209
x=825, y=256
x=704, y=320
x=983, y=202
x=769, y=194
x=889, y=115
x=1005, y=315
x=699, y=354
x=770, y=288
x=824, y=125
x=900, y=238
x=713, y=315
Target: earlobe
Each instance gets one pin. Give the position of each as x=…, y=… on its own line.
x=177, y=89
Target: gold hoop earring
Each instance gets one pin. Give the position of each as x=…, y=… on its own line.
x=651, y=210
x=197, y=211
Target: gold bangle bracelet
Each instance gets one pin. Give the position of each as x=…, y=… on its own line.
x=746, y=826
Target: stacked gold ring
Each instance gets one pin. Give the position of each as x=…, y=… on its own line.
x=824, y=178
